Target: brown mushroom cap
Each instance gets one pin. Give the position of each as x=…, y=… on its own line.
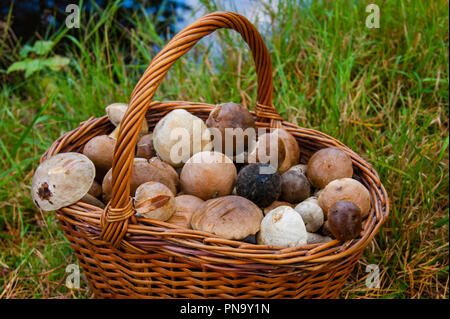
x=96, y=189
x=100, y=150
x=143, y=171
x=169, y=169
x=208, y=175
x=295, y=186
x=230, y=217
x=264, y=148
x=154, y=200
x=327, y=165
x=345, y=189
x=61, y=180
x=234, y=116
x=185, y=206
x=344, y=220
x=144, y=147
x=288, y=150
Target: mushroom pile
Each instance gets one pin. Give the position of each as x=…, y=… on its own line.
x=187, y=173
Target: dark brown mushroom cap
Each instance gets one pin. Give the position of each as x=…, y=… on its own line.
x=229, y=115
x=327, y=165
x=295, y=187
x=144, y=147
x=260, y=183
x=230, y=217
x=344, y=220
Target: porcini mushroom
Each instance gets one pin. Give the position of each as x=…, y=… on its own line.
x=345, y=189
x=277, y=148
x=142, y=171
x=100, y=150
x=144, y=147
x=154, y=200
x=208, y=175
x=185, y=206
x=328, y=164
x=344, y=220
x=61, y=180
x=311, y=214
x=295, y=186
x=282, y=226
x=259, y=183
x=116, y=112
x=228, y=122
x=179, y=135
x=230, y=217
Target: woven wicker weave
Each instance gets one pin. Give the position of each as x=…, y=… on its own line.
x=128, y=257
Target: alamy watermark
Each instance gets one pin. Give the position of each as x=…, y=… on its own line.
x=73, y=276
x=373, y=19
x=73, y=18
x=373, y=279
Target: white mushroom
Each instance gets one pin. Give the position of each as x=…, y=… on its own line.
x=115, y=113
x=311, y=214
x=282, y=226
x=313, y=238
x=179, y=135
x=62, y=180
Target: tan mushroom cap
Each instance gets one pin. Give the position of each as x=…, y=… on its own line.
x=185, y=206
x=208, y=175
x=230, y=217
x=154, y=200
x=62, y=180
x=345, y=189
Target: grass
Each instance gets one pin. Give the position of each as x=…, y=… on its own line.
x=383, y=92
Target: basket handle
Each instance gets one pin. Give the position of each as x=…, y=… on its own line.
x=118, y=211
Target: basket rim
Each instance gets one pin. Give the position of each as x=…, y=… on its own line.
x=206, y=247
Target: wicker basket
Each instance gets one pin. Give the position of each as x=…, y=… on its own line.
x=124, y=256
